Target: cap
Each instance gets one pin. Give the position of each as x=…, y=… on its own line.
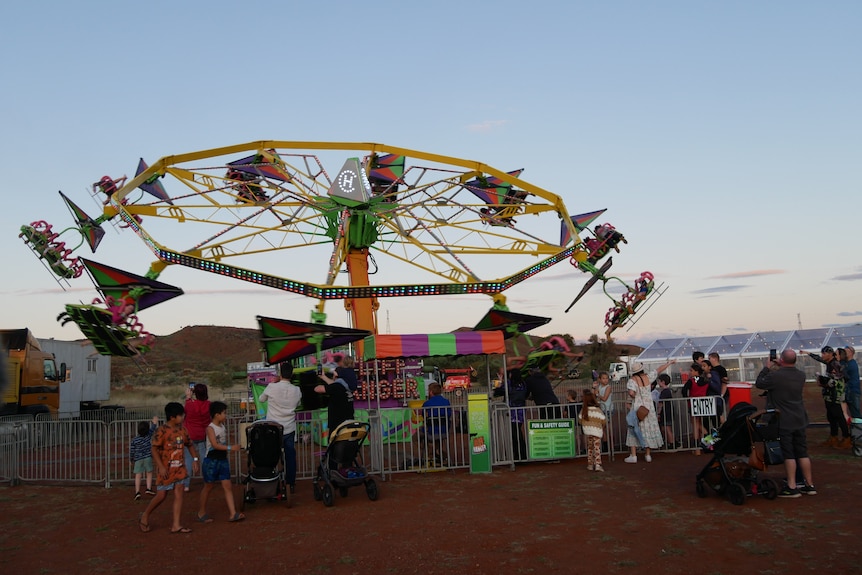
x=637, y=367
x=827, y=349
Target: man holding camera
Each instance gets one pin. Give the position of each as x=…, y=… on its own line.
x=784, y=382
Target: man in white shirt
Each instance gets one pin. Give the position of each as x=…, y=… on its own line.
x=282, y=398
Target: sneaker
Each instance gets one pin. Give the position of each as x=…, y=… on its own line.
x=150, y=492
x=137, y=496
x=590, y=468
x=600, y=469
x=648, y=458
x=293, y=487
x=631, y=459
x=789, y=493
x=808, y=490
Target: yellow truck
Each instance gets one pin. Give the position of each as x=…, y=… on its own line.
x=32, y=378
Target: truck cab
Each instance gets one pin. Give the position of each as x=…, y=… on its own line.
x=33, y=377
x=618, y=372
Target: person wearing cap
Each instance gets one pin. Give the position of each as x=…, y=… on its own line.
x=638, y=389
x=784, y=382
x=852, y=390
x=832, y=389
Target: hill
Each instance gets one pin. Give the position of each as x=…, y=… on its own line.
x=214, y=353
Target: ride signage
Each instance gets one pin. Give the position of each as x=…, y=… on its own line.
x=703, y=406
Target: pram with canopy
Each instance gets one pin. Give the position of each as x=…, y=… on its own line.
x=265, y=478
x=341, y=465
x=728, y=472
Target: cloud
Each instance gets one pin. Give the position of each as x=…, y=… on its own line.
x=486, y=126
x=850, y=313
x=719, y=289
x=748, y=274
x=849, y=277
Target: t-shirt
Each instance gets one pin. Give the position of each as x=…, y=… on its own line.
x=340, y=404
x=197, y=418
x=348, y=374
x=139, y=447
x=438, y=417
x=168, y=443
x=282, y=398
x=221, y=438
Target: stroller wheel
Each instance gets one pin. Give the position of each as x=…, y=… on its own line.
x=769, y=488
x=700, y=488
x=328, y=495
x=736, y=493
x=371, y=490
x=342, y=491
x=317, y=494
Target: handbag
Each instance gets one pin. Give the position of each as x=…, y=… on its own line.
x=772, y=453
x=642, y=413
x=755, y=458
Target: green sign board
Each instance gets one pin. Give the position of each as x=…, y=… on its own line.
x=480, y=433
x=551, y=438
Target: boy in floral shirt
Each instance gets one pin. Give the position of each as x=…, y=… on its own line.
x=167, y=447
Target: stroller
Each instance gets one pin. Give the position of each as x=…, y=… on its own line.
x=729, y=471
x=341, y=465
x=265, y=477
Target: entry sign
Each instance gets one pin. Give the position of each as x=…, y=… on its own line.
x=479, y=428
x=703, y=406
x=551, y=438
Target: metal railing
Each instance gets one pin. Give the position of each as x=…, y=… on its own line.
x=95, y=447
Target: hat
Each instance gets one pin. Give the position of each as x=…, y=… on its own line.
x=827, y=349
x=637, y=367
x=329, y=366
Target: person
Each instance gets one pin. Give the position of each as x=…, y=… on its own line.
x=784, y=383
x=638, y=389
x=517, y=391
x=141, y=456
x=540, y=390
x=713, y=389
x=605, y=393
x=282, y=399
x=347, y=371
x=571, y=403
x=197, y=419
x=216, y=467
x=852, y=392
x=696, y=386
x=665, y=410
x=340, y=407
x=593, y=421
x=438, y=415
x=832, y=389
x=167, y=447
x=715, y=362
x=697, y=356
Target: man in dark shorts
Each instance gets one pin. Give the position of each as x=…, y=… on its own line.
x=784, y=382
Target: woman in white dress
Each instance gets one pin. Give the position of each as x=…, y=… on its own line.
x=638, y=389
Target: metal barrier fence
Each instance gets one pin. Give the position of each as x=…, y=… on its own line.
x=420, y=439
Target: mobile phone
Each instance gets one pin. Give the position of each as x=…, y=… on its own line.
x=319, y=368
x=773, y=355
x=192, y=385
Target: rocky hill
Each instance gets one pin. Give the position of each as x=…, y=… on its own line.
x=203, y=352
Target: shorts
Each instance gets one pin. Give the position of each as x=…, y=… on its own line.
x=215, y=470
x=144, y=465
x=794, y=444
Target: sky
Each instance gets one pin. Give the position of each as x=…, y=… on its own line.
x=723, y=139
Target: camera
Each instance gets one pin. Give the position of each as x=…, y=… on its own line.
x=773, y=355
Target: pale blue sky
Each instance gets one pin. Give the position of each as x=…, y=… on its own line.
x=724, y=138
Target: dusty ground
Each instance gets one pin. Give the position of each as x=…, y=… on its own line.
x=541, y=518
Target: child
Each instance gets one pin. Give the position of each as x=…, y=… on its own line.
x=167, y=449
x=216, y=466
x=592, y=422
x=571, y=401
x=141, y=456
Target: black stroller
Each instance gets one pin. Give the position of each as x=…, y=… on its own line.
x=341, y=465
x=729, y=471
x=265, y=477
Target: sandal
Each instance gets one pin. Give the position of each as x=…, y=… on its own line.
x=205, y=518
x=181, y=530
x=145, y=527
x=236, y=517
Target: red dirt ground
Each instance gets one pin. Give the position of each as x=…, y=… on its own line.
x=541, y=518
